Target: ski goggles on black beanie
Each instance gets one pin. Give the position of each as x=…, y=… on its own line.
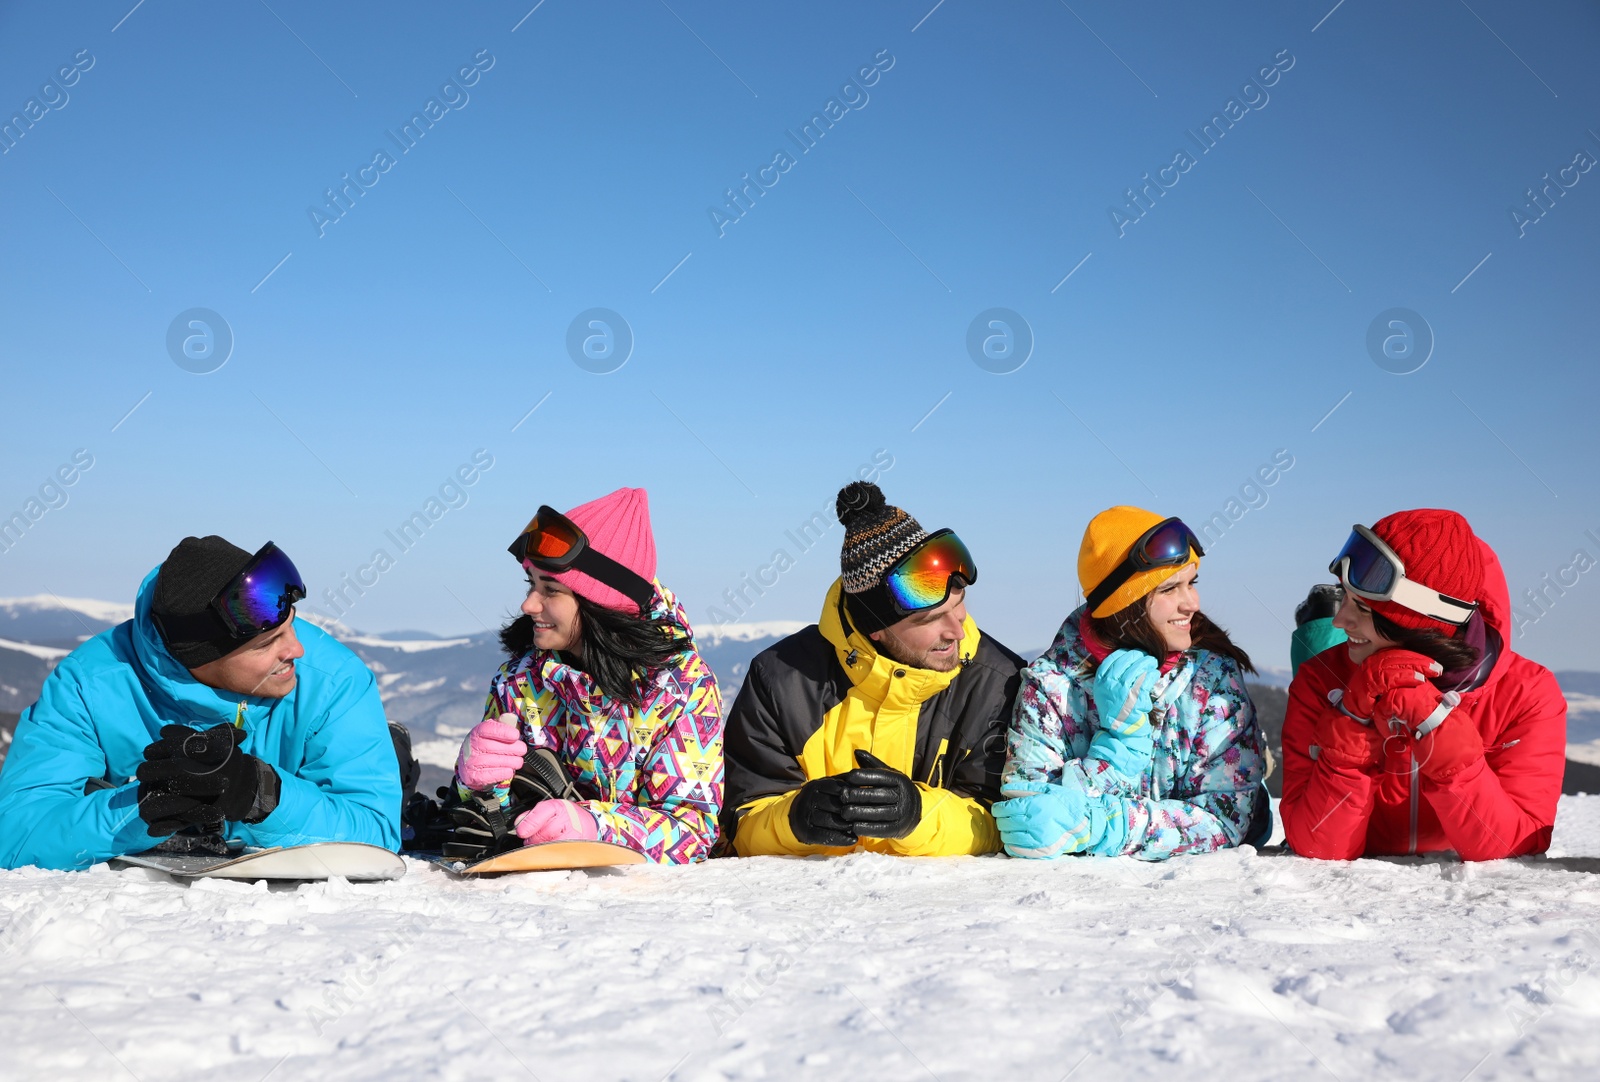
x=212, y=597
x=890, y=566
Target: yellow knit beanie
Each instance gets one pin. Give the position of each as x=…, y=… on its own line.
x=1106, y=543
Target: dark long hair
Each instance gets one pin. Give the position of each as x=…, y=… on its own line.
x=1453, y=653
x=1130, y=628
x=615, y=646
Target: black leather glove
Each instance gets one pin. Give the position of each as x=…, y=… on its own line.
x=880, y=801
x=167, y=813
x=208, y=766
x=816, y=814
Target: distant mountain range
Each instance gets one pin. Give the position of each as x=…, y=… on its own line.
x=432, y=685
x=436, y=686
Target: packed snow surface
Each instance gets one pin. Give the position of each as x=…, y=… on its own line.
x=1232, y=966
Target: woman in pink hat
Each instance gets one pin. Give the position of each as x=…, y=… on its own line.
x=606, y=724
x=1424, y=731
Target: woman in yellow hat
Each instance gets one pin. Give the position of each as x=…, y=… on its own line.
x=1134, y=732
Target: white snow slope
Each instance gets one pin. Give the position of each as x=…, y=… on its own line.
x=1230, y=967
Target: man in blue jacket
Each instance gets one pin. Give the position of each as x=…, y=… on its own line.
x=212, y=710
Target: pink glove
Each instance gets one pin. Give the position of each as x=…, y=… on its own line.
x=557, y=821
x=491, y=753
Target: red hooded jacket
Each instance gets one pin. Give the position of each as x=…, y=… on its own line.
x=1504, y=805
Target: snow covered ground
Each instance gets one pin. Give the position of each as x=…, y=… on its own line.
x=1234, y=966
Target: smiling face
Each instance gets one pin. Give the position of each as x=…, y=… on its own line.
x=1354, y=618
x=557, y=624
x=1172, y=605
x=930, y=639
x=263, y=667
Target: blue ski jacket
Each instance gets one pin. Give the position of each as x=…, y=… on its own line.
x=109, y=698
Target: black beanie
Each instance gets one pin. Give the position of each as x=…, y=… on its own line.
x=191, y=576
x=876, y=534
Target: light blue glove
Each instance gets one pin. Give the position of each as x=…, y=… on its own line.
x=1122, y=694
x=1059, y=820
x=1122, y=688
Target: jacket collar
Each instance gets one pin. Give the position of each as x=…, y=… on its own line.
x=875, y=674
x=1076, y=649
x=170, y=686
x=1100, y=651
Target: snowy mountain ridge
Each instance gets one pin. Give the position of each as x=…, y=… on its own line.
x=435, y=686
x=109, y=612
x=716, y=634
x=48, y=653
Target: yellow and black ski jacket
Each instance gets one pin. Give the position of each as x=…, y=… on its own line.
x=809, y=702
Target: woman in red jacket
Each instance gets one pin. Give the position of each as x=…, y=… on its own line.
x=1424, y=732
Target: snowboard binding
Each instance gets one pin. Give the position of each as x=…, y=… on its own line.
x=481, y=827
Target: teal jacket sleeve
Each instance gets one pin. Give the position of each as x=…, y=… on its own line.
x=346, y=785
x=45, y=818
x=1310, y=639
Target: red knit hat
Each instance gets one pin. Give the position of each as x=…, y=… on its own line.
x=618, y=526
x=1441, y=552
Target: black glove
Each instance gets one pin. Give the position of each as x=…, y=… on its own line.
x=1320, y=604
x=880, y=801
x=816, y=814
x=208, y=766
x=167, y=813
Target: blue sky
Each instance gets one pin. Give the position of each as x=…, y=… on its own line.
x=1375, y=166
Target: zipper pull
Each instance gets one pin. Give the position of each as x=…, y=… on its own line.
x=238, y=717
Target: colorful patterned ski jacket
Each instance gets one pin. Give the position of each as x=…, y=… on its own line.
x=1200, y=788
x=651, y=775
x=810, y=701
x=1503, y=805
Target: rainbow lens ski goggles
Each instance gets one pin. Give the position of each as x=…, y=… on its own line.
x=1371, y=570
x=258, y=599
x=925, y=577
x=553, y=543
x=1166, y=544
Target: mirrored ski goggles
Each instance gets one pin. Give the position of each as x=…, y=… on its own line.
x=553, y=543
x=1166, y=544
x=551, y=539
x=261, y=596
x=1371, y=570
x=258, y=599
x=925, y=577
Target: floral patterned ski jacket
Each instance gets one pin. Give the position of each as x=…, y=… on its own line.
x=1200, y=789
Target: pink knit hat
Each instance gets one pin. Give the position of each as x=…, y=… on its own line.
x=617, y=525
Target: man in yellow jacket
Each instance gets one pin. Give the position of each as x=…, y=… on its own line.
x=882, y=726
